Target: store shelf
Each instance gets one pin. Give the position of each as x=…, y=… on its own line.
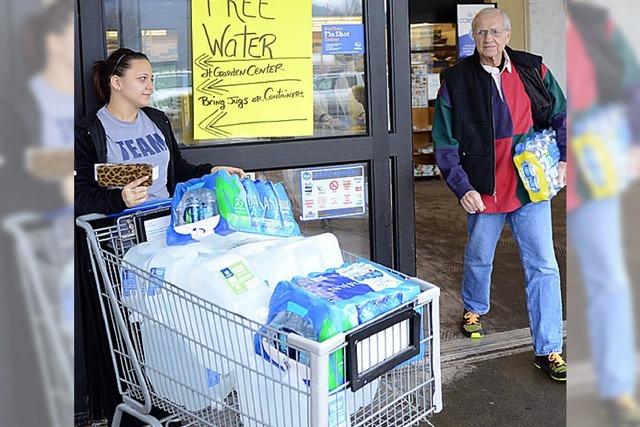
x=424, y=161
x=424, y=129
x=426, y=171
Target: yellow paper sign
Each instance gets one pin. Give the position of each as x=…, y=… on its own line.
x=252, y=68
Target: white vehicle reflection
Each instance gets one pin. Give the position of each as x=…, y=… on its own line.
x=333, y=94
x=170, y=87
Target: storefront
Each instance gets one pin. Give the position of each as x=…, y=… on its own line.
x=347, y=132
x=349, y=169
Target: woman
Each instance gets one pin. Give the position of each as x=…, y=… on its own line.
x=126, y=130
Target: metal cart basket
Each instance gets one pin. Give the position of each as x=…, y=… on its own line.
x=44, y=258
x=195, y=360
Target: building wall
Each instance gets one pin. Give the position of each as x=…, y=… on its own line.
x=625, y=15
x=517, y=12
x=547, y=35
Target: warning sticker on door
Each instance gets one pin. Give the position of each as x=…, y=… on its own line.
x=332, y=193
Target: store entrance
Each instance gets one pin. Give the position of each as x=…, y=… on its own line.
x=441, y=223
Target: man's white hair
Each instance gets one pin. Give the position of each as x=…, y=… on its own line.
x=491, y=11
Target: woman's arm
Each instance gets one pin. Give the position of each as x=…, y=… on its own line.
x=89, y=196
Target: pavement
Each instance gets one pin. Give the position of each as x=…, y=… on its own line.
x=506, y=391
x=484, y=385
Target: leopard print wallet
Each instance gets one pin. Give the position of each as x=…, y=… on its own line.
x=119, y=175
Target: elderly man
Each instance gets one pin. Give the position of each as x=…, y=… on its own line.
x=487, y=104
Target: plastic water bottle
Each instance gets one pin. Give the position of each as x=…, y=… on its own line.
x=134, y=285
x=66, y=289
x=190, y=209
x=169, y=319
x=256, y=208
x=286, y=322
x=299, y=257
x=208, y=205
x=229, y=282
x=175, y=370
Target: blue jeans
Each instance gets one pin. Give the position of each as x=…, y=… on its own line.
x=531, y=227
x=595, y=231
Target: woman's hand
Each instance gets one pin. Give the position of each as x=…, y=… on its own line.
x=230, y=169
x=133, y=193
x=66, y=187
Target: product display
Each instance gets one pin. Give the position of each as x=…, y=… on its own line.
x=536, y=160
x=221, y=203
x=254, y=207
x=134, y=285
x=194, y=211
x=296, y=257
x=268, y=287
x=600, y=144
x=334, y=301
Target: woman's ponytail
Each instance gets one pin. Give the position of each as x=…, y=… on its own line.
x=101, y=84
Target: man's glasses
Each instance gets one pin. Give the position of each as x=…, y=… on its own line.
x=484, y=33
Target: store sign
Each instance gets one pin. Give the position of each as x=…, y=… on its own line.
x=346, y=38
x=466, y=12
x=332, y=193
x=252, y=68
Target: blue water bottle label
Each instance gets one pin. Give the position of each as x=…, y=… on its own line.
x=213, y=378
x=337, y=410
x=156, y=287
x=128, y=282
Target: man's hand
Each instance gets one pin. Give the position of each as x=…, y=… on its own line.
x=562, y=173
x=634, y=161
x=472, y=202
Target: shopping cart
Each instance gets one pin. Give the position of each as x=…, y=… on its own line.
x=161, y=349
x=44, y=257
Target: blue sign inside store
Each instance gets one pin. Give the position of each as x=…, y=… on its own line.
x=344, y=38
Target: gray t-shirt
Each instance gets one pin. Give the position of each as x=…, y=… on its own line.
x=138, y=142
x=56, y=114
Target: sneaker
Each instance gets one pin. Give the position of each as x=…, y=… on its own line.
x=471, y=326
x=554, y=365
x=622, y=412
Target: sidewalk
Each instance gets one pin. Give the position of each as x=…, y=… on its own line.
x=491, y=382
x=507, y=391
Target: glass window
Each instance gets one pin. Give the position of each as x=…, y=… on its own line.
x=162, y=30
x=347, y=218
x=433, y=50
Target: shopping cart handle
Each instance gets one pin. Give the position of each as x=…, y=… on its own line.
x=378, y=348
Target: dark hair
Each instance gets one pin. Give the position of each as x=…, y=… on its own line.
x=53, y=19
x=115, y=65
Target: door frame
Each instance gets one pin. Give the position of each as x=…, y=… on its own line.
x=386, y=150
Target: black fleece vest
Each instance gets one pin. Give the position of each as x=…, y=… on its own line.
x=469, y=87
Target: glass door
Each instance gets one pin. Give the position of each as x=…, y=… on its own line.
x=343, y=175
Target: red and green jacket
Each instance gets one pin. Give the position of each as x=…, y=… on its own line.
x=475, y=131
x=602, y=70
